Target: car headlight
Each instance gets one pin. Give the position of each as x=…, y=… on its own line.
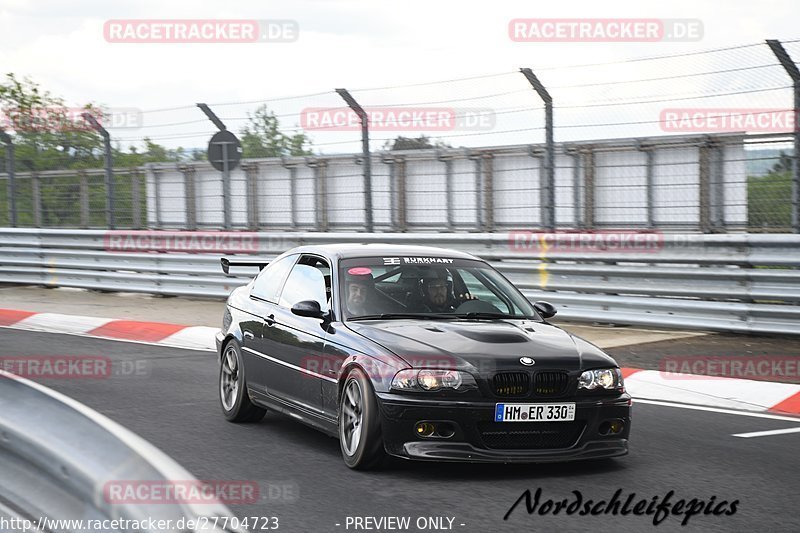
x=603, y=378
x=432, y=380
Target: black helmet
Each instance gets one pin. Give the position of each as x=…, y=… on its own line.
x=433, y=276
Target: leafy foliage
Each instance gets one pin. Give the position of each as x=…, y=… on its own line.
x=262, y=137
x=410, y=143
x=48, y=135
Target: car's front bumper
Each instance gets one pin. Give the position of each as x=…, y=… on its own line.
x=474, y=423
x=219, y=338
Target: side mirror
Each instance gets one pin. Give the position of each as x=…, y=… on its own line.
x=546, y=309
x=308, y=308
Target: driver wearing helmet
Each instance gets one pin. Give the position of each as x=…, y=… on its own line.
x=436, y=294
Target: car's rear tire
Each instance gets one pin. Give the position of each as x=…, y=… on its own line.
x=233, y=397
x=360, y=436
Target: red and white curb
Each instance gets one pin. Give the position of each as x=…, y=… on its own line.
x=716, y=392
x=726, y=393
x=174, y=335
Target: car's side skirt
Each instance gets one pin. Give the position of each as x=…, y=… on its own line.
x=306, y=416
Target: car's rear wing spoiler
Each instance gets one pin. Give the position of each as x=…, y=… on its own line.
x=228, y=263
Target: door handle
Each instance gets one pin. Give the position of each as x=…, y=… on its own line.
x=270, y=320
x=249, y=335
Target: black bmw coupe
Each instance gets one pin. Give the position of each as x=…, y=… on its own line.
x=416, y=352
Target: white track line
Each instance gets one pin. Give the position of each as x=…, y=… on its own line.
x=717, y=410
x=768, y=433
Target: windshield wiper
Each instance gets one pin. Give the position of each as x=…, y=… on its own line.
x=384, y=316
x=489, y=315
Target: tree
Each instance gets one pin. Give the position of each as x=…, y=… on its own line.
x=47, y=134
x=409, y=143
x=153, y=153
x=50, y=136
x=262, y=137
x=198, y=155
x=784, y=163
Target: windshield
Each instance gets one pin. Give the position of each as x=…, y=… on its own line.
x=406, y=287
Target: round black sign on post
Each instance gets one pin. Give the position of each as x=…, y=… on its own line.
x=224, y=146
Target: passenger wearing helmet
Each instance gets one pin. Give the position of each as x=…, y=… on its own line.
x=359, y=285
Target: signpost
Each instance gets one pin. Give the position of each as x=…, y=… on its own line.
x=224, y=154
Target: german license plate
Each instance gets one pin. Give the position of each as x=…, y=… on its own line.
x=534, y=412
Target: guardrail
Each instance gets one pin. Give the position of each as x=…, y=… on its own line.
x=732, y=282
x=57, y=456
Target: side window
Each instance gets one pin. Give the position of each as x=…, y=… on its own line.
x=268, y=283
x=308, y=280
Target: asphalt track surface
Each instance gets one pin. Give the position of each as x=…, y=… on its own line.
x=691, y=452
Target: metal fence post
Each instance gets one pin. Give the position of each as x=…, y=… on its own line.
x=364, y=118
x=389, y=161
x=226, y=170
x=251, y=185
x=83, y=187
x=292, y=168
x=320, y=167
x=402, y=195
x=539, y=155
x=157, y=196
x=190, y=197
x=588, y=188
x=649, y=183
x=476, y=158
x=704, y=172
x=136, y=198
x=717, y=194
x=397, y=191
x=794, y=73
x=575, y=154
x=12, y=185
x=488, y=190
x=549, y=209
x=36, y=194
x=449, y=187
x=109, y=168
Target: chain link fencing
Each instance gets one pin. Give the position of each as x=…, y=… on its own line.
x=697, y=141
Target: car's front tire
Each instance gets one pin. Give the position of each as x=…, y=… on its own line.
x=233, y=397
x=360, y=436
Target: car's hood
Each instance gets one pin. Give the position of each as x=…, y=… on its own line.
x=482, y=345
